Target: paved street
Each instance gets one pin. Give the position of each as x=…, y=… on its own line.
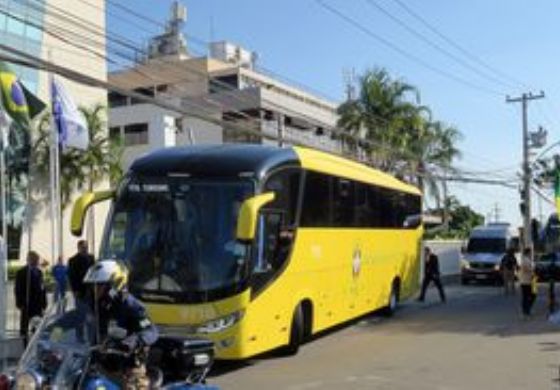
x=475, y=341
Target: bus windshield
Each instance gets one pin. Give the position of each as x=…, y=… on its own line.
x=177, y=235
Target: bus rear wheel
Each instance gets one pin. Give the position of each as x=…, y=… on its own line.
x=296, y=332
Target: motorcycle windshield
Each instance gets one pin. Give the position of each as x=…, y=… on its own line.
x=59, y=348
x=177, y=235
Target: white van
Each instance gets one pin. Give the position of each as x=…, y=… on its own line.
x=481, y=258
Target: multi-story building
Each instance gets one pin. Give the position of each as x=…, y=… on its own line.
x=53, y=30
x=225, y=86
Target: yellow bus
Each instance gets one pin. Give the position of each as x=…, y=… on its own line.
x=258, y=247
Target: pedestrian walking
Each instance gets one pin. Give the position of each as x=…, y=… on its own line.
x=78, y=266
x=509, y=266
x=30, y=293
x=526, y=274
x=60, y=274
x=431, y=274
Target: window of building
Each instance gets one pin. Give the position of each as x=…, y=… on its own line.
x=117, y=100
x=223, y=83
x=115, y=133
x=33, y=33
x=15, y=27
x=162, y=88
x=136, y=134
x=149, y=91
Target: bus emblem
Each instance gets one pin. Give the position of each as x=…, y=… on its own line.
x=356, y=262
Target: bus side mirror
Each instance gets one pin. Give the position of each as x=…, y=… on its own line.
x=248, y=215
x=81, y=206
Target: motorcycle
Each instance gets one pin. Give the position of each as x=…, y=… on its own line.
x=62, y=355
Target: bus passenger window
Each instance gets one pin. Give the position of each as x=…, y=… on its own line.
x=268, y=240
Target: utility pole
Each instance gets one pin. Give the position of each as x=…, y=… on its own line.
x=496, y=212
x=526, y=194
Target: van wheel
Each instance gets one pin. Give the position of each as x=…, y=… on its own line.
x=393, y=302
x=296, y=332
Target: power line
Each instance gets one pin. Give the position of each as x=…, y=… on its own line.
x=458, y=47
x=403, y=52
x=135, y=49
x=434, y=45
x=366, y=142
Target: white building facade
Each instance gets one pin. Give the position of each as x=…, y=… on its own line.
x=224, y=86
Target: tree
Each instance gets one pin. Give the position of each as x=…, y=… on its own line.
x=79, y=169
x=386, y=115
x=462, y=219
x=398, y=133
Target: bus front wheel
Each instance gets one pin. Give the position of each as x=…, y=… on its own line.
x=393, y=299
x=296, y=332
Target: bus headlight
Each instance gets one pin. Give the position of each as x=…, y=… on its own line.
x=497, y=267
x=28, y=381
x=221, y=323
x=465, y=264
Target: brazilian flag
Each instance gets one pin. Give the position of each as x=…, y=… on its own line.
x=18, y=102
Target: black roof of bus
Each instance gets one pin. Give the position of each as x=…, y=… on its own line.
x=215, y=160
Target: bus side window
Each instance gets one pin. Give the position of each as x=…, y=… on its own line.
x=267, y=241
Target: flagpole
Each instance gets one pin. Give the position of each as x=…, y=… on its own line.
x=3, y=243
x=53, y=162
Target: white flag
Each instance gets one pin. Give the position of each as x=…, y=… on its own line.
x=5, y=123
x=72, y=128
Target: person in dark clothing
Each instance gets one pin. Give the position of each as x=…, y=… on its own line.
x=30, y=293
x=431, y=273
x=113, y=302
x=78, y=266
x=508, y=266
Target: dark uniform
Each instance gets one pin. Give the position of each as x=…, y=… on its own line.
x=31, y=296
x=130, y=315
x=431, y=273
x=78, y=266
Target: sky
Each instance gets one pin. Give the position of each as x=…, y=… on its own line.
x=303, y=41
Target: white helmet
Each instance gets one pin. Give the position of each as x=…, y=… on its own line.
x=109, y=272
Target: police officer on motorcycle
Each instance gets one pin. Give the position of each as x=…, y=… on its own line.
x=113, y=303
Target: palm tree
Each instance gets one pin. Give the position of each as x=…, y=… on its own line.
x=400, y=136
x=384, y=116
x=435, y=156
x=103, y=156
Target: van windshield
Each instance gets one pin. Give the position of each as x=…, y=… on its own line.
x=487, y=245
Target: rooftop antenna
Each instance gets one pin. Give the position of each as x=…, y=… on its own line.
x=172, y=41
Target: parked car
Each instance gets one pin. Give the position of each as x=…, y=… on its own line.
x=547, y=267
